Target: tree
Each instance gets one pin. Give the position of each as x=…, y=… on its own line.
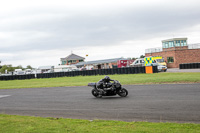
x=133, y=58
x=29, y=67
x=19, y=67
x=142, y=56
x=9, y=68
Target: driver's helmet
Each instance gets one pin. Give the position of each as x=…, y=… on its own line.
x=107, y=78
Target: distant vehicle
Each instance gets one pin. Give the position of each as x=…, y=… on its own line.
x=18, y=72
x=35, y=71
x=8, y=74
x=83, y=68
x=65, y=68
x=124, y=63
x=161, y=68
x=28, y=71
x=160, y=61
x=46, y=69
x=138, y=63
x=89, y=67
x=151, y=61
x=154, y=59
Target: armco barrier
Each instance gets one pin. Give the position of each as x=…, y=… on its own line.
x=180, y=66
x=17, y=77
x=189, y=66
x=127, y=70
x=155, y=69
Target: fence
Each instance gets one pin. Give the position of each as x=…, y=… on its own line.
x=189, y=65
x=126, y=70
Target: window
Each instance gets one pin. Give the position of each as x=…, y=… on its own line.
x=177, y=43
x=74, y=61
x=160, y=60
x=164, y=45
x=171, y=44
x=184, y=43
x=64, y=62
x=170, y=59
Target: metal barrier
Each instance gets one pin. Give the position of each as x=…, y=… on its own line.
x=127, y=70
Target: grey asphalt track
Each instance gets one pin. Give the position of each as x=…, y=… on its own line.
x=154, y=103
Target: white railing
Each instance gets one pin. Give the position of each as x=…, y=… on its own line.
x=153, y=50
x=194, y=46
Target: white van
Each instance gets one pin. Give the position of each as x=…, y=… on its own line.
x=138, y=62
x=18, y=72
x=28, y=71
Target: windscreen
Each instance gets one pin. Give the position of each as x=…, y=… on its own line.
x=160, y=60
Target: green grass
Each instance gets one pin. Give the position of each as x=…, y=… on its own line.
x=21, y=124
x=28, y=124
x=127, y=79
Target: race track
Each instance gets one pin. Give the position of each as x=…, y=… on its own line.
x=154, y=103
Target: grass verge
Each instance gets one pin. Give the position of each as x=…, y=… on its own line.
x=128, y=79
x=23, y=124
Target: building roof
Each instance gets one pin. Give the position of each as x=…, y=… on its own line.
x=46, y=67
x=99, y=61
x=174, y=39
x=73, y=57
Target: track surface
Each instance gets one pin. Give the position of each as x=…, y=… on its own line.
x=155, y=103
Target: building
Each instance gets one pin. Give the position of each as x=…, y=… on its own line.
x=45, y=69
x=101, y=64
x=71, y=59
x=176, y=51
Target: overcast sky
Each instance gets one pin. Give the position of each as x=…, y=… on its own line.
x=40, y=32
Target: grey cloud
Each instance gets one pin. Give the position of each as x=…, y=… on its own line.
x=69, y=29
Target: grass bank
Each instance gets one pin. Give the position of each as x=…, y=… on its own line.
x=28, y=124
x=83, y=80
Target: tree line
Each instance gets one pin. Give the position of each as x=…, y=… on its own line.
x=10, y=68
